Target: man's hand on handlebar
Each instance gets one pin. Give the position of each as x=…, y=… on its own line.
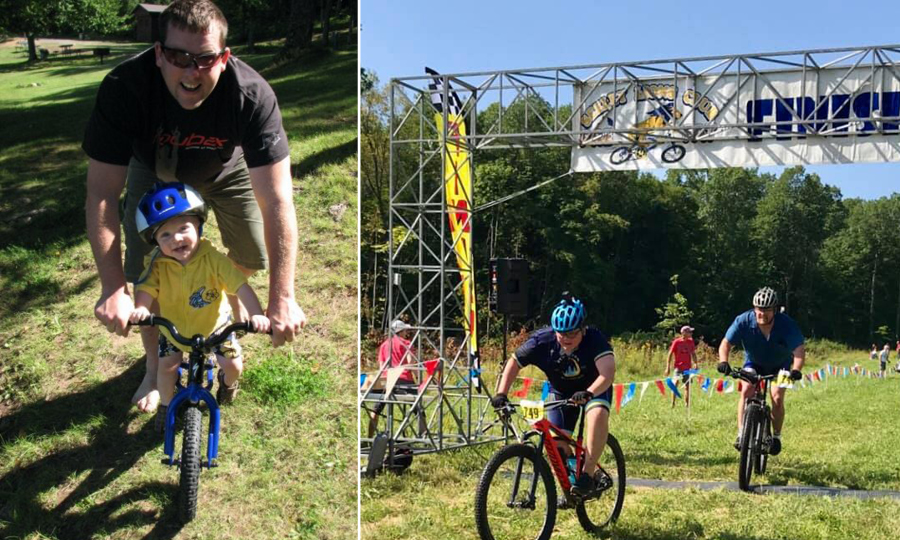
x=796, y=374
x=499, y=401
x=582, y=396
x=723, y=368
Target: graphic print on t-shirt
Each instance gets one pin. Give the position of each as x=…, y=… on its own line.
x=571, y=369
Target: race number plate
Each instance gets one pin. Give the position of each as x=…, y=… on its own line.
x=532, y=411
x=784, y=379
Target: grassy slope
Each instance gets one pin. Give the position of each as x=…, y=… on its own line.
x=841, y=435
x=77, y=461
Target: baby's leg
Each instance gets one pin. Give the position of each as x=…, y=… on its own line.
x=231, y=365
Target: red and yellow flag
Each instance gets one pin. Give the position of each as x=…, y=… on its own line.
x=458, y=194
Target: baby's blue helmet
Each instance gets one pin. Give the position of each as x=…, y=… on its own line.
x=568, y=314
x=165, y=201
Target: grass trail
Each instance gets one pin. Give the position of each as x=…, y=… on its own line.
x=839, y=434
x=76, y=460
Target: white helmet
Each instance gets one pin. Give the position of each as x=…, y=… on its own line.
x=765, y=298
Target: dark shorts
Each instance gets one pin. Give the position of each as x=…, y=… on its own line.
x=231, y=199
x=685, y=377
x=566, y=417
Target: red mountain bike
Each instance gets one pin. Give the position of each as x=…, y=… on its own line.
x=516, y=495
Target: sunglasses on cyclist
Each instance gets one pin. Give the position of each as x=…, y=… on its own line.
x=184, y=60
x=571, y=334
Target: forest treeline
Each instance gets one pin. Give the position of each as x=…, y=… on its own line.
x=644, y=251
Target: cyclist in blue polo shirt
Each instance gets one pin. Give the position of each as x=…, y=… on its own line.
x=580, y=365
x=771, y=342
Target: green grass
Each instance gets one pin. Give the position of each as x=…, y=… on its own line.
x=76, y=459
x=841, y=435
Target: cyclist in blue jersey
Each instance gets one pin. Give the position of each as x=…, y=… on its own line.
x=771, y=342
x=580, y=365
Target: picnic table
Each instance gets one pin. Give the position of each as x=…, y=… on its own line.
x=66, y=48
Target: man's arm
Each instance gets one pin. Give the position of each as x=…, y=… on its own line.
x=105, y=183
x=606, y=374
x=799, y=358
x=273, y=188
x=510, y=372
x=669, y=360
x=724, y=350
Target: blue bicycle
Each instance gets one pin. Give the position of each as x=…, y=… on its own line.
x=186, y=403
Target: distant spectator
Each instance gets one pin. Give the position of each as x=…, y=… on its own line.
x=885, y=353
x=683, y=350
x=873, y=354
x=395, y=349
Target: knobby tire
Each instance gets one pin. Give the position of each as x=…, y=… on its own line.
x=764, y=431
x=493, y=518
x=745, y=469
x=616, y=492
x=190, y=466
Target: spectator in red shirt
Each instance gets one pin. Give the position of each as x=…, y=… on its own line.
x=682, y=349
x=396, y=349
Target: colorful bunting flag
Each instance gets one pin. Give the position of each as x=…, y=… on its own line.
x=362, y=379
x=617, y=390
x=630, y=394
x=670, y=382
x=662, y=389
x=729, y=387
x=545, y=391
x=706, y=384
x=526, y=384
x=644, y=386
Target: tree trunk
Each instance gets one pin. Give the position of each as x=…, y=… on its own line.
x=300, y=26
x=32, y=48
x=326, y=22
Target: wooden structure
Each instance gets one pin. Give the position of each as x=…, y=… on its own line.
x=146, y=22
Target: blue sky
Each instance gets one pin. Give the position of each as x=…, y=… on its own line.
x=400, y=37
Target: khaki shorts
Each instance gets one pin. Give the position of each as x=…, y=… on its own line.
x=230, y=198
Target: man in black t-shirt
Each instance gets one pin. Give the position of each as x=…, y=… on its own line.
x=187, y=110
x=580, y=365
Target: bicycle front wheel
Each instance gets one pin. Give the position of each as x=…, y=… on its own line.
x=620, y=155
x=764, y=431
x=516, y=496
x=603, y=509
x=745, y=469
x=190, y=466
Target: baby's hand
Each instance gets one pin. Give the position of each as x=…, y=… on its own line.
x=138, y=315
x=260, y=324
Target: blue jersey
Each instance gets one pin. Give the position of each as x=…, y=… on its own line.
x=567, y=373
x=768, y=353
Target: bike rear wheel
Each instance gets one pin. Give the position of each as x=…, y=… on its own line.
x=516, y=496
x=190, y=466
x=745, y=468
x=673, y=153
x=598, y=512
x=620, y=155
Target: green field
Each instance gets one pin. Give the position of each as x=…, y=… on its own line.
x=76, y=459
x=842, y=434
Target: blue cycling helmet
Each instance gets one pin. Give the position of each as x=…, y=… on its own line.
x=568, y=314
x=165, y=201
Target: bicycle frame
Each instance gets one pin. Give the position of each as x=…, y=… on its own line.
x=192, y=394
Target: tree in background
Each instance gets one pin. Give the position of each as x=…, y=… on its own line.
x=675, y=313
x=34, y=18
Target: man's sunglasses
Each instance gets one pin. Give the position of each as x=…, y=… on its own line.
x=184, y=60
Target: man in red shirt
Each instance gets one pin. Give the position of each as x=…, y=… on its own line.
x=396, y=350
x=682, y=349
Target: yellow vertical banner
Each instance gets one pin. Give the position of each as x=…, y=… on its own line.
x=458, y=195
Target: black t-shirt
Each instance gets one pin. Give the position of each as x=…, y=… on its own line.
x=135, y=115
x=567, y=373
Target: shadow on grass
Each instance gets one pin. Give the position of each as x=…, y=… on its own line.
x=679, y=460
x=335, y=154
x=109, y=452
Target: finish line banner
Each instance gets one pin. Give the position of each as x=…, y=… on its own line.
x=760, y=118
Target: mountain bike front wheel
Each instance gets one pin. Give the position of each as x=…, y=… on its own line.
x=601, y=510
x=620, y=155
x=745, y=469
x=190, y=466
x=516, y=497
x=764, y=431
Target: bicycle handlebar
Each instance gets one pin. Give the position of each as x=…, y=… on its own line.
x=750, y=377
x=210, y=341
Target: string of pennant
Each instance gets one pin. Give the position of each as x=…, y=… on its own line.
x=623, y=393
